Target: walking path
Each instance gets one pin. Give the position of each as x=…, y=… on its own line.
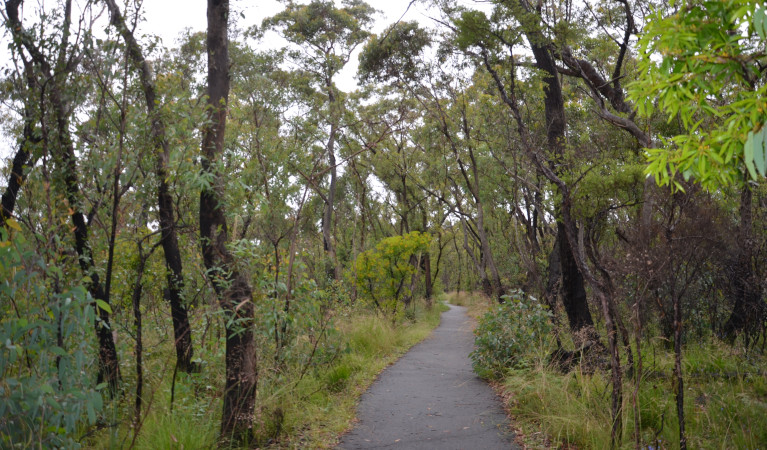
x=431, y=399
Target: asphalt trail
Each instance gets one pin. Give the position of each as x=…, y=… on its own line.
x=431, y=399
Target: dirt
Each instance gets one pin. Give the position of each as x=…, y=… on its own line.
x=431, y=399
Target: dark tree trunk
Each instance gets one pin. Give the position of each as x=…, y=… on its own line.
x=748, y=311
x=332, y=271
x=426, y=267
x=169, y=239
x=678, y=379
x=109, y=368
x=573, y=293
x=19, y=169
x=233, y=290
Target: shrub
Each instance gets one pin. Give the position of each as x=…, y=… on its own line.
x=46, y=325
x=383, y=274
x=508, y=334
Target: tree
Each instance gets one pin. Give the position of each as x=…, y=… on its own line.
x=232, y=288
x=329, y=35
x=55, y=69
x=383, y=273
x=710, y=78
x=725, y=138
x=169, y=239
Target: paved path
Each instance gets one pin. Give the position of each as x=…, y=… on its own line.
x=431, y=399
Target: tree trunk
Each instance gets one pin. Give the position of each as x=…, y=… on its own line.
x=169, y=239
x=332, y=271
x=426, y=267
x=678, y=379
x=19, y=169
x=748, y=311
x=232, y=288
x=573, y=292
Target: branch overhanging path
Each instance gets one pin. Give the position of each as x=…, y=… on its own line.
x=431, y=399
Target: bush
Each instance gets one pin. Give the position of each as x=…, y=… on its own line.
x=508, y=334
x=46, y=394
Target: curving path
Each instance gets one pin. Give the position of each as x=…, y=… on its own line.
x=431, y=399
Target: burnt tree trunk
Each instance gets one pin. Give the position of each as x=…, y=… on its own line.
x=19, y=169
x=573, y=293
x=232, y=288
x=748, y=311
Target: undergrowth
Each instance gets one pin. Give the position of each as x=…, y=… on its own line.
x=725, y=397
x=725, y=401
x=306, y=396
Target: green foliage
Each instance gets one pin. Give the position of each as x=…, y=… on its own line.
x=506, y=336
x=473, y=29
x=700, y=63
x=384, y=273
x=395, y=53
x=330, y=32
x=46, y=393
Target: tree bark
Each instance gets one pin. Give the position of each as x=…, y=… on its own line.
x=573, y=292
x=332, y=270
x=232, y=288
x=748, y=311
x=175, y=281
x=19, y=169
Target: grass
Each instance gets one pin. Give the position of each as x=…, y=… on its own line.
x=301, y=402
x=725, y=402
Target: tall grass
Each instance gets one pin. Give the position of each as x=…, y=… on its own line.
x=725, y=402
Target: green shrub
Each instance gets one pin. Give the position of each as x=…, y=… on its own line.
x=46, y=394
x=507, y=335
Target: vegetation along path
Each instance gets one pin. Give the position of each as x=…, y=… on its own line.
x=431, y=398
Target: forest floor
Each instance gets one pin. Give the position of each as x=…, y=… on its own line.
x=431, y=398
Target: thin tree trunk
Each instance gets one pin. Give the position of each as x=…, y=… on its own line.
x=169, y=238
x=232, y=288
x=747, y=311
x=332, y=270
x=19, y=168
x=678, y=379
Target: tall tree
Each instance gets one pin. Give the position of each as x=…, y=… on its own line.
x=328, y=36
x=231, y=286
x=55, y=75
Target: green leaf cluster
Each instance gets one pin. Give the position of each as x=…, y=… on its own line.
x=384, y=273
x=46, y=394
x=701, y=67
